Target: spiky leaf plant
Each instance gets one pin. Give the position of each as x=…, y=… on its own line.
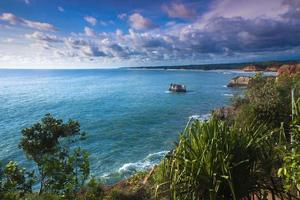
x=215, y=161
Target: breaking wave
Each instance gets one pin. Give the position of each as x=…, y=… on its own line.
x=200, y=117
x=147, y=163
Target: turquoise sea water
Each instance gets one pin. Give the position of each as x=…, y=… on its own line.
x=131, y=118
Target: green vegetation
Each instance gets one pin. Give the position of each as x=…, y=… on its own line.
x=215, y=161
x=253, y=155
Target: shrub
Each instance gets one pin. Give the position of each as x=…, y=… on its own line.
x=290, y=169
x=268, y=100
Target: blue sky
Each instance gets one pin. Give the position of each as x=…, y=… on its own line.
x=108, y=33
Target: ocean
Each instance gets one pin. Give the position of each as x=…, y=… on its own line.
x=131, y=118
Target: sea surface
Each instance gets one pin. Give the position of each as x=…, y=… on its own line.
x=130, y=117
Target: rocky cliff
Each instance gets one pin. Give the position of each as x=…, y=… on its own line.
x=289, y=68
x=239, y=81
x=272, y=68
x=251, y=68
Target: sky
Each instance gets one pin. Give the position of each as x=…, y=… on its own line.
x=127, y=33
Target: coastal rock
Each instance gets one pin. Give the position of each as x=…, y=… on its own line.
x=239, y=81
x=177, y=88
x=272, y=68
x=289, y=68
x=224, y=112
x=251, y=68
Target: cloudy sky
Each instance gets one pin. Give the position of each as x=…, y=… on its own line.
x=110, y=33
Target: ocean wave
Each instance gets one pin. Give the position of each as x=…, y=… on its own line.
x=147, y=163
x=224, y=86
x=228, y=95
x=129, y=169
x=168, y=91
x=201, y=117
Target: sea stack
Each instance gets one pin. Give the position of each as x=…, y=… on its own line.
x=177, y=88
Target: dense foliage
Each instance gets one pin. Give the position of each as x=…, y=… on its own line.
x=255, y=155
x=268, y=100
x=215, y=161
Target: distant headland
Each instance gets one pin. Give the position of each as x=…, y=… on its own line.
x=269, y=66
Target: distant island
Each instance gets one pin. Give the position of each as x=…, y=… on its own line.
x=269, y=66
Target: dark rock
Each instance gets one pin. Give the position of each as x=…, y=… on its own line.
x=177, y=88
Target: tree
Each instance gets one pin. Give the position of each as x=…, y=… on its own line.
x=14, y=180
x=47, y=143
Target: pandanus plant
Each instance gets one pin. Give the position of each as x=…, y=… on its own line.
x=215, y=161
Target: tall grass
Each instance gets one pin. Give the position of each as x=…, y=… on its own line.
x=215, y=161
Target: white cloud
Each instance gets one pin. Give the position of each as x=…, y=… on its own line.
x=179, y=10
x=231, y=35
x=92, y=51
x=43, y=37
x=89, y=32
x=139, y=22
x=91, y=20
x=247, y=9
x=14, y=20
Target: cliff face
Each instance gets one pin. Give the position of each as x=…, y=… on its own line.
x=289, y=68
x=251, y=68
x=239, y=81
x=272, y=68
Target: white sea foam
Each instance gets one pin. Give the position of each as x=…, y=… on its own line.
x=194, y=117
x=201, y=117
x=228, y=95
x=148, y=162
x=167, y=91
x=224, y=86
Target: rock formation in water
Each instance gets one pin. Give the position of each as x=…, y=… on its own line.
x=239, y=81
x=177, y=88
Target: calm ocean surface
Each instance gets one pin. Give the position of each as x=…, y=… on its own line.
x=131, y=119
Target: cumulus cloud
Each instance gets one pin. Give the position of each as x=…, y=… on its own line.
x=14, y=20
x=179, y=10
x=89, y=32
x=139, y=22
x=92, y=51
x=246, y=9
x=216, y=34
x=91, y=20
x=43, y=37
